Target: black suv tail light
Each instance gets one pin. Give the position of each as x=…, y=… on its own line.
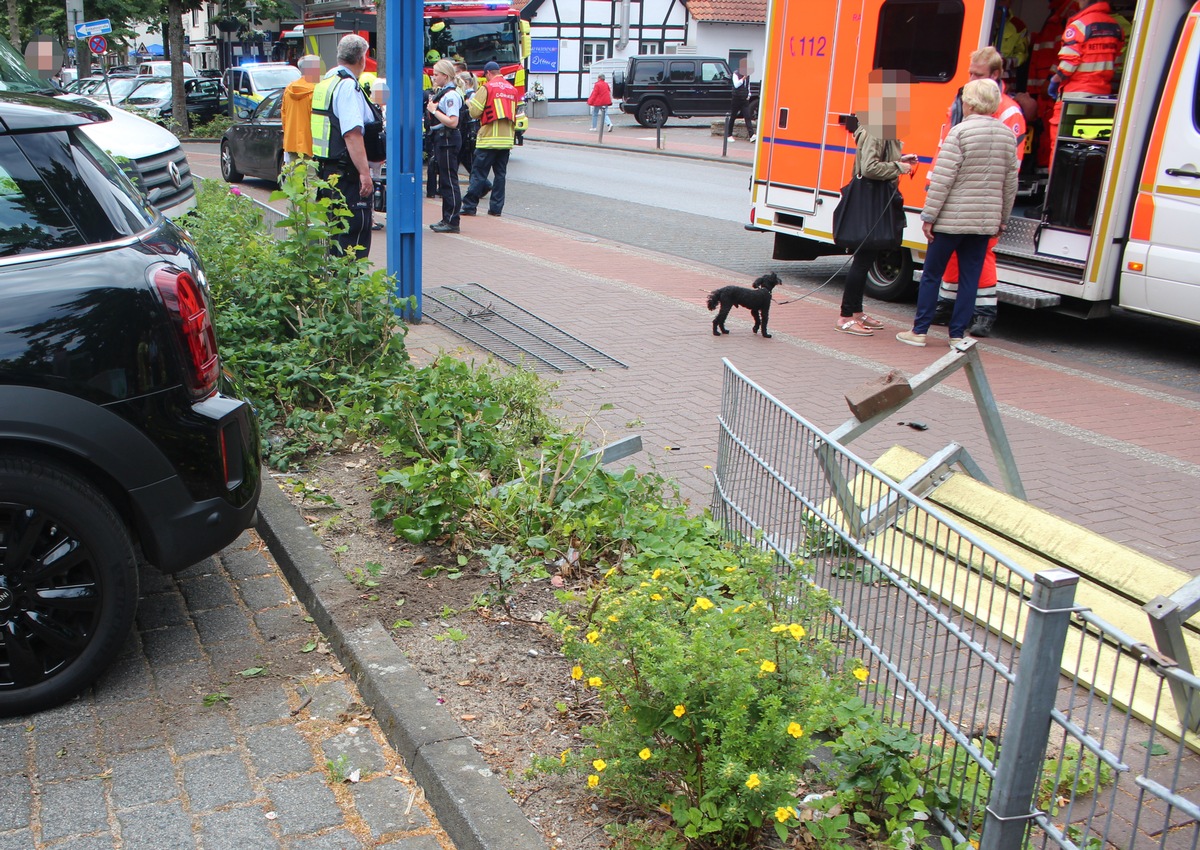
x=185, y=302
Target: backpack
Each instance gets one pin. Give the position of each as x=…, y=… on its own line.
x=468, y=126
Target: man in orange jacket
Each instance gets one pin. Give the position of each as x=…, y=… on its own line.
x=1087, y=58
x=296, y=109
x=985, y=63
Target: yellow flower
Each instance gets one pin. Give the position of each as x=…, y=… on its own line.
x=795, y=729
x=562, y=758
x=680, y=710
x=731, y=569
x=738, y=609
x=708, y=466
x=644, y=755
x=592, y=637
x=644, y=584
x=657, y=597
x=782, y=814
x=613, y=618
x=779, y=628
x=703, y=604
x=741, y=650
x=861, y=674
x=599, y=765
x=577, y=672
x=753, y=782
x=654, y=575
x=593, y=781
x=595, y=682
x=767, y=667
x=797, y=630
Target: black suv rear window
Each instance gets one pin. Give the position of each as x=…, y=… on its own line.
x=31, y=217
x=649, y=72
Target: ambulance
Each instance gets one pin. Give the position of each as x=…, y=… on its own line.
x=1126, y=235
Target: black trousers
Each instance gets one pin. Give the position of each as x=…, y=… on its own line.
x=357, y=237
x=445, y=152
x=736, y=110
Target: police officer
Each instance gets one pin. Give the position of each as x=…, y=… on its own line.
x=495, y=105
x=444, y=108
x=341, y=115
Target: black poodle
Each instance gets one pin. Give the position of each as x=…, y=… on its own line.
x=757, y=300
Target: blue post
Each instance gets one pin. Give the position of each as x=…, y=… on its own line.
x=405, y=57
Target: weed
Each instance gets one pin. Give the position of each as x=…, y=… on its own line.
x=338, y=769
x=456, y=635
x=365, y=577
x=217, y=698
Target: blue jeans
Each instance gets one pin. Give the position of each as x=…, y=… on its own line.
x=601, y=111
x=971, y=248
x=494, y=160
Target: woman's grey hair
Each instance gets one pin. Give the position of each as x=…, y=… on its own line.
x=600, y=77
x=981, y=97
x=351, y=49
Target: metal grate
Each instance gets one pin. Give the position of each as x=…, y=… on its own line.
x=509, y=331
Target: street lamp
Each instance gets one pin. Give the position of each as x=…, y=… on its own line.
x=252, y=7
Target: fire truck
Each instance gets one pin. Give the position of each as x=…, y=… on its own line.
x=477, y=33
x=1119, y=230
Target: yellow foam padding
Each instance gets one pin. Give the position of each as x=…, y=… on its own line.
x=939, y=562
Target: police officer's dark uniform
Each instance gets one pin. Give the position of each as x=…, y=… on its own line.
x=338, y=107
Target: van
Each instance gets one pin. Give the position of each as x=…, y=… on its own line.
x=656, y=87
x=163, y=69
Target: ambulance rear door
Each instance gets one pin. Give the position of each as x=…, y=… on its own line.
x=1161, y=265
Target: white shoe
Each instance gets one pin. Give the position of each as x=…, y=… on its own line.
x=733, y=138
x=752, y=138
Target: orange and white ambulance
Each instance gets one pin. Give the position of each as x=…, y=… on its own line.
x=1130, y=237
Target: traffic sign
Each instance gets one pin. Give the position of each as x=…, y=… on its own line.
x=90, y=28
x=98, y=44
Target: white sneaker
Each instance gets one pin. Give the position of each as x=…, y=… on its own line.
x=733, y=138
x=752, y=138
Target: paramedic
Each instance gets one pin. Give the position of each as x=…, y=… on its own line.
x=1087, y=57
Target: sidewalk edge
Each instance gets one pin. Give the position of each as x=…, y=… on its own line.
x=470, y=802
x=634, y=149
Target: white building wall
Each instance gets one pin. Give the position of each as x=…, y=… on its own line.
x=720, y=39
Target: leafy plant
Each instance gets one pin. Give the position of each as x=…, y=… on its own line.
x=454, y=634
x=216, y=698
x=338, y=769
x=366, y=576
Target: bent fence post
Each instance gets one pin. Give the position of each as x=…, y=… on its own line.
x=1023, y=745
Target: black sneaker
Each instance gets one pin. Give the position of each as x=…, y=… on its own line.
x=436, y=225
x=941, y=314
x=442, y=227
x=982, y=327
x=466, y=212
x=497, y=215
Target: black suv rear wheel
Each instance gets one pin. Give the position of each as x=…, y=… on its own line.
x=68, y=584
x=652, y=113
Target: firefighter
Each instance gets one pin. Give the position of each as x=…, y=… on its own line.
x=986, y=63
x=341, y=116
x=495, y=105
x=1087, y=56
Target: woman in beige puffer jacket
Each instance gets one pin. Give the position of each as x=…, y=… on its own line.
x=971, y=192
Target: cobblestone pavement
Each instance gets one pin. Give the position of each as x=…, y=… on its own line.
x=183, y=743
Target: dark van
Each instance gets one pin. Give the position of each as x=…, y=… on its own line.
x=657, y=87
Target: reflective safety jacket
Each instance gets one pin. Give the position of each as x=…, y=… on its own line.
x=1043, y=57
x=495, y=105
x=1091, y=44
x=327, y=141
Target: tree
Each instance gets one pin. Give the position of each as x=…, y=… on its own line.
x=14, y=26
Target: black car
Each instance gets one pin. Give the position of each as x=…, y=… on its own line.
x=119, y=441
x=654, y=88
x=255, y=146
x=206, y=99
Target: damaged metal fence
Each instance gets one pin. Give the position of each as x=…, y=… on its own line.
x=1044, y=725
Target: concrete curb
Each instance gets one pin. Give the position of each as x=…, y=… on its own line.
x=633, y=149
x=470, y=802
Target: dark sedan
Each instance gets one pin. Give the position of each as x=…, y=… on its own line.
x=206, y=99
x=255, y=146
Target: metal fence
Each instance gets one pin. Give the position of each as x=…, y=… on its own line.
x=1044, y=725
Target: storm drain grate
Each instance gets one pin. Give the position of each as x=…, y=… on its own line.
x=509, y=331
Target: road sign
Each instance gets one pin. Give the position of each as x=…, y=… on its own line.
x=90, y=28
x=98, y=44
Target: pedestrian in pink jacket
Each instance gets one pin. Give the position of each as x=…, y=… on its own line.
x=600, y=100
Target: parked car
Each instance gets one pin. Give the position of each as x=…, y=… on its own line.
x=116, y=89
x=249, y=84
x=119, y=439
x=255, y=147
x=206, y=99
x=162, y=68
x=657, y=87
x=151, y=153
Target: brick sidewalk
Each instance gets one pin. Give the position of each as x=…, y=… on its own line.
x=1118, y=457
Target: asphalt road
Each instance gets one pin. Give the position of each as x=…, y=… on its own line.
x=695, y=209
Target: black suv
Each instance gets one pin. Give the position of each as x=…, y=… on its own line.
x=656, y=87
x=118, y=441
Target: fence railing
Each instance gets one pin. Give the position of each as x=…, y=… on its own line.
x=1044, y=725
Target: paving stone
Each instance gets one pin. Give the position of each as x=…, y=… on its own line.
x=243, y=563
x=211, y=590
x=264, y=592
x=281, y=623
x=329, y=700
x=231, y=657
x=72, y=713
x=22, y=839
x=415, y=842
x=157, y=825
x=200, y=569
x=305, y=804
x=381, y=803
x=14, y=746
x=153, y=581
x=72, y=808
x=143, y=777
x=133, y=726
x=214, y=780
x=67, y=752
x=262, y=706
x=87, y=842
x=243, y=828
x=171, y=645
x=159, y=610
x=201, y=729
x=217, y=624
x=361, y=751
x=15, y=801
x=184, y=683
x=127, y=678
x=337, y=840
x=279, y=750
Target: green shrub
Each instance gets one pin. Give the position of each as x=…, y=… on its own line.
x=314, y=337
x=214, y=128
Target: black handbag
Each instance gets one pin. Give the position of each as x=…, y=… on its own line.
x=869, y=216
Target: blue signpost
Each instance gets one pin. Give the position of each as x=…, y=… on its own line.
x=405, y=51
